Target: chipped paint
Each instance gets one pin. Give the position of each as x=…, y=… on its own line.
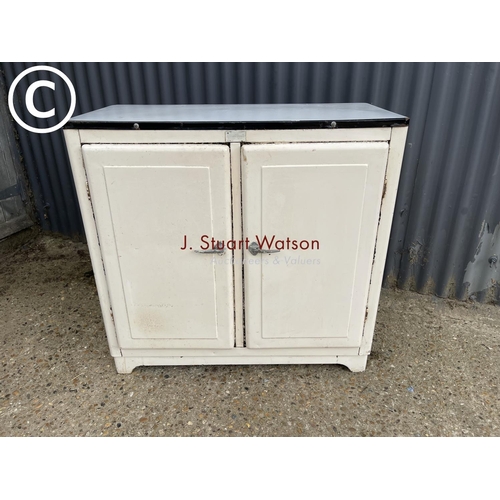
x=483, y=271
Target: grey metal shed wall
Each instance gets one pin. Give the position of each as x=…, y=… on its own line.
x=449, y=183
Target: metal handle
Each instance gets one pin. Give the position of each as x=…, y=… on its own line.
x=254, y=249
x=219, y=249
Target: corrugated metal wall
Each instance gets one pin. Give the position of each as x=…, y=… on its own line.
x=448, y=205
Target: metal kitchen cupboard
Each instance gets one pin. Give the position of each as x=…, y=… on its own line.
x=238, y=234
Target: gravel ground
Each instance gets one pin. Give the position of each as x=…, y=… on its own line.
x=434, y=369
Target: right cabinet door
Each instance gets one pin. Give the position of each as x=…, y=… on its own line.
x=319, y=205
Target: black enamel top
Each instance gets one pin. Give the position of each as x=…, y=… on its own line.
x=239, y=116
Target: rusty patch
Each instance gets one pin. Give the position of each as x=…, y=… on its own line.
x=384, y=191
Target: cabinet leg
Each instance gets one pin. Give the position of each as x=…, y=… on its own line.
x=354, y=363
x=126, y=365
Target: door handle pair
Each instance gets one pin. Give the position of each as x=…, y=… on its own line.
x=253, y=248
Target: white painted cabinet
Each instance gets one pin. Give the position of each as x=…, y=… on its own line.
x=238, y=234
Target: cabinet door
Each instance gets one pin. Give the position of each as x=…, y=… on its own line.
x=147, y=201
x=321, y=204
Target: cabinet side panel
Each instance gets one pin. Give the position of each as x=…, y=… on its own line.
x=394, y=163
x=77, y=166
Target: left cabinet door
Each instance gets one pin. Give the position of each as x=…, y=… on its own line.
x=154, y=205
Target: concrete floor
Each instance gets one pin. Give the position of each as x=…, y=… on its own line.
x=434, y=369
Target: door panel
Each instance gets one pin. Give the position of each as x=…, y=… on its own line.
x=323, y=202
x=147, y=199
